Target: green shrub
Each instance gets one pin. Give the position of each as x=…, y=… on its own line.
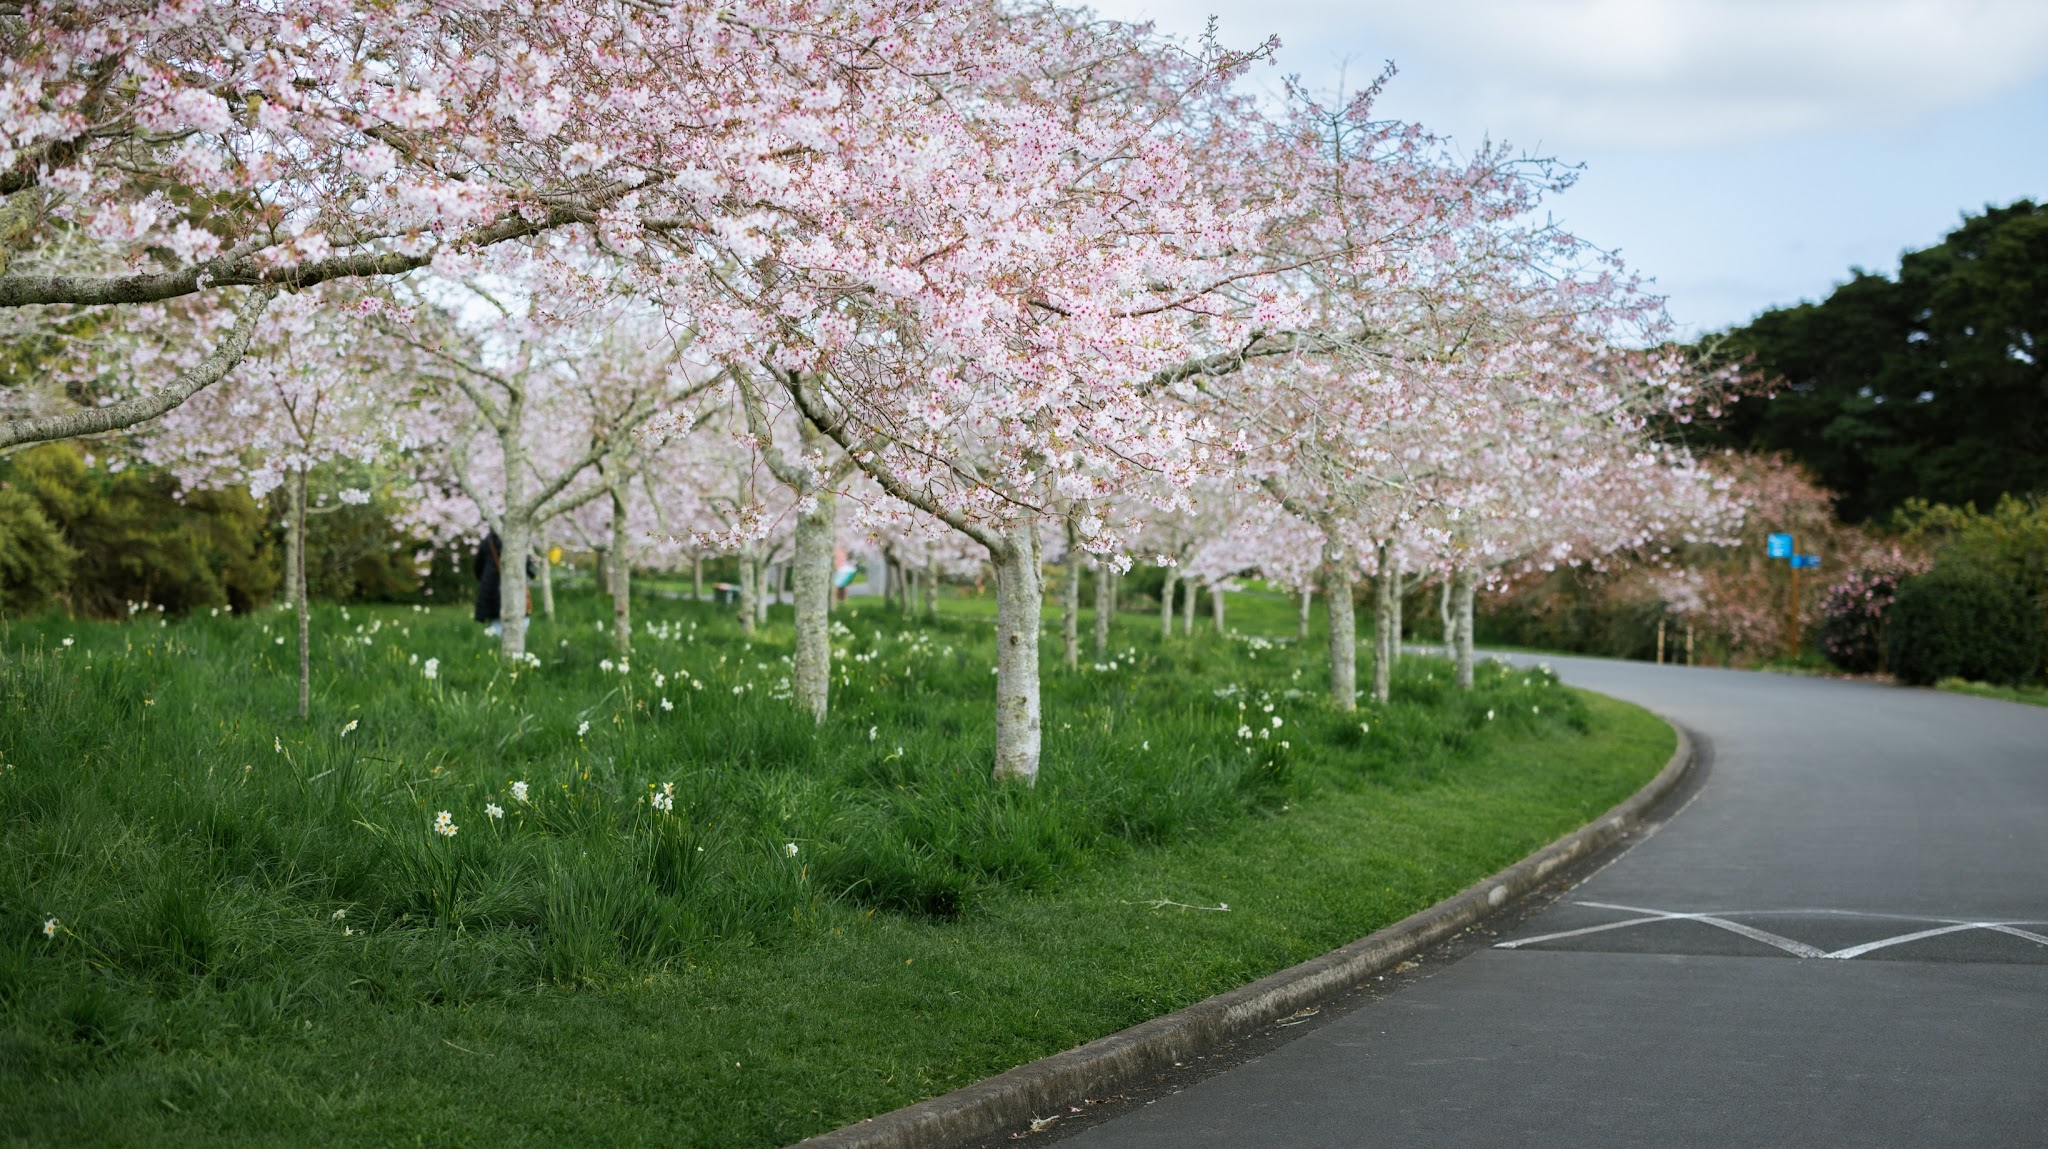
x=1957, y=622
x=137, y=537
x=35, y=562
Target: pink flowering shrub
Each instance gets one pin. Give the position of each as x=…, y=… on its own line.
x=1853, y=611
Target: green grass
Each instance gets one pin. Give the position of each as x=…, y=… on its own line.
x=2031, y=695
x=261, y=940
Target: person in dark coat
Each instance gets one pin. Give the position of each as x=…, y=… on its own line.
x=486, y=565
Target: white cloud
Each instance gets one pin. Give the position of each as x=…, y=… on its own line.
x=1655, y=74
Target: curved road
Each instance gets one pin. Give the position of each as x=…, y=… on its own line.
x=1864, y=960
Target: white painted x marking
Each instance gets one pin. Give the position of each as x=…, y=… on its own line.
x=1799, y=949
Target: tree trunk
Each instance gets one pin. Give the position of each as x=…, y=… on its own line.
x=696, y=578
x=1187, y=606
x=547, y=581
x=1343, y=626
x=767, y=590
x=1017, y=622
x=298, y=581
x=930, y=579
x=1216, y=606
x=602, y=568
x=749, y=569
x=1308, y=595
x=513, y=545
x=1070, y=600
x=812, y=570
x=1382, y=626
x=515, y=541
x=1465, y=585
x=1105, y=606
x=1443, y=610
x=1166, y=604
x=292, y=539
x=1400, y=593
x=622, y=579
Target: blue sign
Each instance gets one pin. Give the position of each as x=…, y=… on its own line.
x=1805, y=562
x=1778, y=547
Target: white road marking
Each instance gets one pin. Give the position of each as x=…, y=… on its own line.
x=2008, y=928
x=1799, y=949
x=1518, y=943
x=1866, y=947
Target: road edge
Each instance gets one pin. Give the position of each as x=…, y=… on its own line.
x=1013, y=1098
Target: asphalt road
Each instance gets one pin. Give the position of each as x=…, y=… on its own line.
x=1866, y=960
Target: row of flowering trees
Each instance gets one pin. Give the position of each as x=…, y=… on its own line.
x=701, y=275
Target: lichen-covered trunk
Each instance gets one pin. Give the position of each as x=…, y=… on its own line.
x=1166, y=605
x=513, y=544
x=516, y=539
x=1070, y=601
x=292, y=541
x=1464, y=587
x=1394, y=618
x=696, y=578
x=1343, y=626
x=767, y=589
x=1382, y=628
x=1443, y=611
x=1105, y=606
x=749, y=571
x=1216, y=606
x=622, y=578
x=1187, y=606
x=1308, y=596
x=297, y=577
x=812, y=562
x=1017, y=605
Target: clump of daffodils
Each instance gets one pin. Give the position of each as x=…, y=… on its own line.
x=346, y=730
x=431, y=669
x=519, y=791
x=444, y=824
x=493, y=811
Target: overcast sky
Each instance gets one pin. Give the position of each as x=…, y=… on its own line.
x=1745, y=153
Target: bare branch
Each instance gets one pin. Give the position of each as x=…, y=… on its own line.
x=129, y=412
x=814, y=409
x=24, y=289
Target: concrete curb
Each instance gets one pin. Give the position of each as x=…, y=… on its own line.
x=1012, y=1099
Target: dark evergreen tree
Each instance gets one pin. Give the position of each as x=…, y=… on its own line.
x=1928, y=385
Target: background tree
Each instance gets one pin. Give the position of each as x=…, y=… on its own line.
x=1928, y=385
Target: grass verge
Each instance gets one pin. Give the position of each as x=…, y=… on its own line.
x=2031, y=695
x=260, y=939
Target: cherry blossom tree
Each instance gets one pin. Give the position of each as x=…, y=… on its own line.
x=222, y=152
x=539, y=403
x=318, y=387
